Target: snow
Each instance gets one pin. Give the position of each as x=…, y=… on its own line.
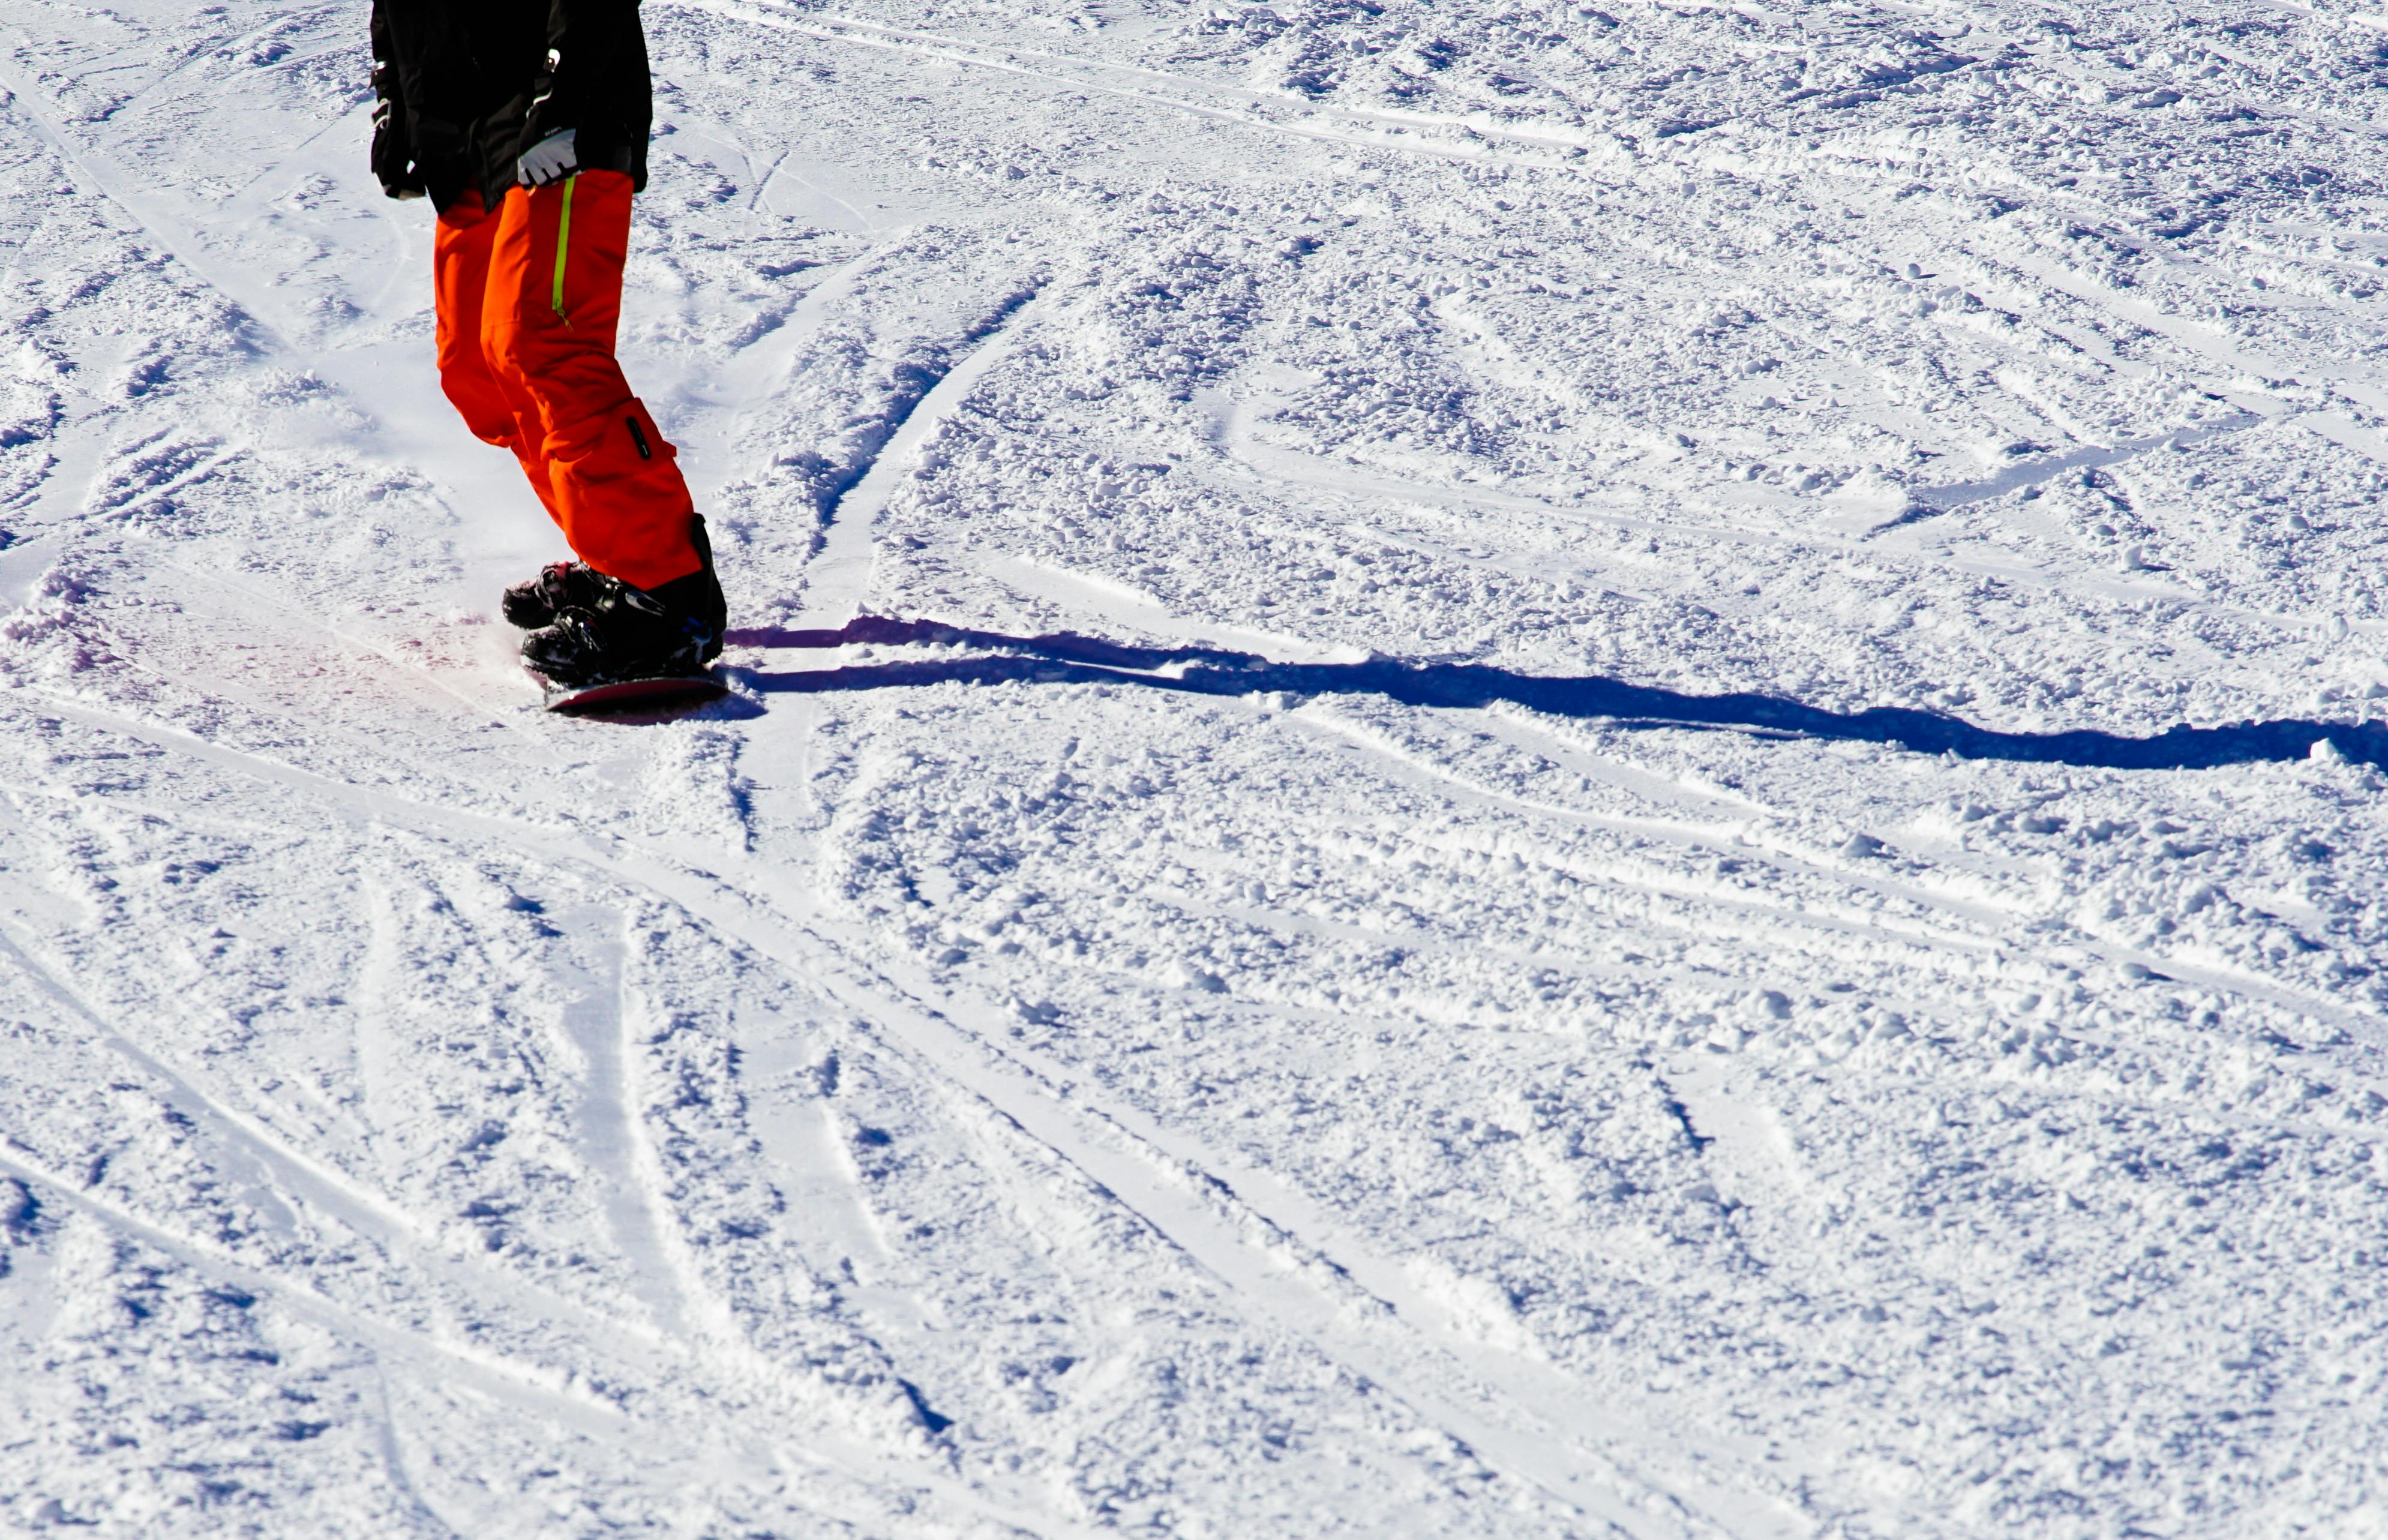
x=1608, y=770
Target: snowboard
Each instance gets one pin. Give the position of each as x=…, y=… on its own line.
x=634, y=694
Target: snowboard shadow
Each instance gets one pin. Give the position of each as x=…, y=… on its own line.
x=1067, y=659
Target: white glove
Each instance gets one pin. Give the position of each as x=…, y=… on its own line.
x=549, y=161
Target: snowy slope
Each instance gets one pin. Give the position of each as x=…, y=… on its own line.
x=1545, y=823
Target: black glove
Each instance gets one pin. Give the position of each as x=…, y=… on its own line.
x=393, y=158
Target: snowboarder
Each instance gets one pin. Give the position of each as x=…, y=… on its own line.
x=526, y=122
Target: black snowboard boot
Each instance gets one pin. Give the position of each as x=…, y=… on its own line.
x=710, y=608
x=560, y=586
x=615, y=631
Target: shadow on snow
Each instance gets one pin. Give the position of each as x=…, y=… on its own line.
x=1067, y=659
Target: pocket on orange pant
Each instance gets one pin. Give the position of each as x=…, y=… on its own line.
x=618, y=489
x=621, y=444
x=589, y=216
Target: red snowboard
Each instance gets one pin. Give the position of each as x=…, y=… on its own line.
x=635, y=694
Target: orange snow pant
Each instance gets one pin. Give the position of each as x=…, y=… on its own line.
x=529, y=298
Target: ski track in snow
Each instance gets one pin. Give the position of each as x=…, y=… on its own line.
x=1085, y=1060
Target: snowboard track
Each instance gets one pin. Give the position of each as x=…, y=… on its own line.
x=1209, y=1223
x=1214, y=1221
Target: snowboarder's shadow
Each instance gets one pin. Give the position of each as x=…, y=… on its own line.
x=1067, y=659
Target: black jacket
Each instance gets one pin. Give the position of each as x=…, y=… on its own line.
x=467, y=85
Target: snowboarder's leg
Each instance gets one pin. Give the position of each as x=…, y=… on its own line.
x=460, y=270
x=554, y=300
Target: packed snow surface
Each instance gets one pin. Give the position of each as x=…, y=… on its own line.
x=1495, y=770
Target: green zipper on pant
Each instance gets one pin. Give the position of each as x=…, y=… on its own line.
x=563, y=244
